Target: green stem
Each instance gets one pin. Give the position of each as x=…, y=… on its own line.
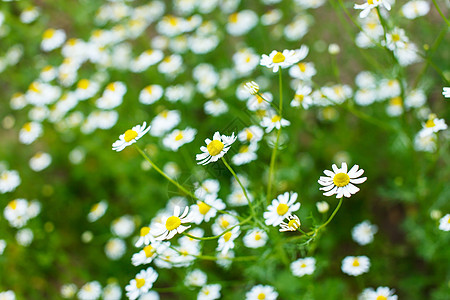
x=331, y=217
x=242, y=186
x=217, y=236
x=275, y=148
x=267, y=101
x=440, y=12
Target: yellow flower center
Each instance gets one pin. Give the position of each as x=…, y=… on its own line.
x=293, y=224
x=144, y=231
x=257, y=236
x=233, y=18
x=4, y=176
x=140, y=282
x=83, y=84
x=172, y=20
x=130, y=135
x=149, y=251
x=243, y=149
x=430, y=123
x=34, y=87
x=227, y=236
x=27, y=127
x=381, y=297
x=302, y=67
x=48, y=34
x=370, y=2
x=341, y=179
x=47, y=68
x=247, y=59
x=173, y=223
x=396, y=101
x=224, y=223
x=395, y=37
x=355, y=262
x=148, y=89
x=303, y=265
x=299, y=98
x=249, y=134
x=111, y=87
x=261, y=296
x=72, y=42
x=203, y=208
x=179, y=136
x=278, y=58
x=13, y=204
x=282, y=209
x=215, y=147
x=276, y=118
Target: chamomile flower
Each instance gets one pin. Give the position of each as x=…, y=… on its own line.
x=215, y=149
x=223, y=222
x=260, y=291
x=123, y=226
x=252, y=87
x=130, y=137
x=7, y=295
x=355, y=265
x=207, y=187
x=292, y=225
x=90, y=291
x=252, y=134
x=204, y=210
x=363, y=232
x=215, y=107
x=52, y=39
x=112, y=291
x=283, y=59
x=341, y=182
x=150, y=94
x=446, y=92
x=414, y=9
x=434, y=125
x=146, y=255
x=424, y=141
x=255, y=238
x=240, y=23
x=303, y=266
x=164, y=121
x=322, y=207
x=444, y=223
x=381, y=293
x=246, y=154
x=141, y=283
x=40, y=161
x=302, y=97
x=173, y=224
x=145, y=237
x=226, y=241
x=209, y=292
x=9, y=181
x=273, y=121
x=97, y=211
x=195, y=277
x=30, y=132
x=303, y=71
x=367, y=7
x=281, y=208
x=178, y=138
x=115, y=248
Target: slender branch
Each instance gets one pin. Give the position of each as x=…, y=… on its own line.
x=440, y=12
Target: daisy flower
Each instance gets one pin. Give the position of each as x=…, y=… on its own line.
x=91, y=290
x=283, y=59
x=30, y=132
x=209, y=292
x=226, y=241
x=252, y=134
x=115, y=248
x=281, y=208
x=355, y=265
x=246, y=154
x=146, y=255
x=322, y=207
x=367, y=7
x=381, y=293
x=52, y=39
x=252, y=87
x=178, y=138
x=446, y=92
x=434, y=124
x=215, y=149
x=97, y=211
x=255, y=238
x=363, y=233
x=273, y=121
x=9, y=181
x=341, y=182
x=195, y=277
x=303, y=266
x=173, y=224
x=206, y=209
x=141, y=284
x=444, y=223
x=292, y=225
x=260, y=291
x=130, y=137
x=145, y=237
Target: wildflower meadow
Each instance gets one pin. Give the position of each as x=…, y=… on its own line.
x=224, y=149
